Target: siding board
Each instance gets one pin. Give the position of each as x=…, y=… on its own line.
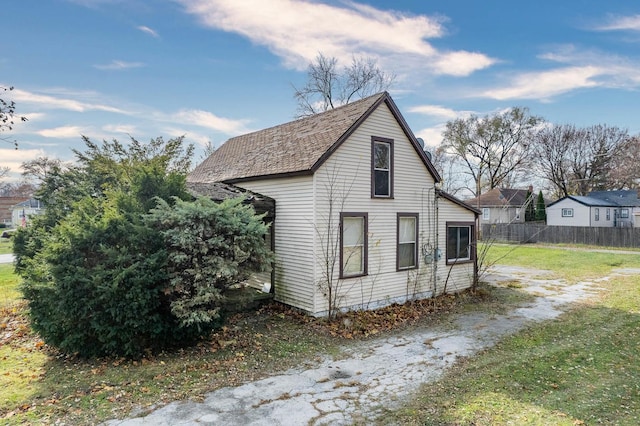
x=306, y=206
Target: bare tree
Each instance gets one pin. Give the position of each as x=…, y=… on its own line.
x=576, y=161
x=454, y=180
x=625, y=169
x=8, y=115
x=495, y=148
x=328, y=86
x=40, y=168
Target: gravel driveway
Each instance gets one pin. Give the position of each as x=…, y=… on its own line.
x=373, y=374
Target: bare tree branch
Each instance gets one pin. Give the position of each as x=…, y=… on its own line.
x=328, y=87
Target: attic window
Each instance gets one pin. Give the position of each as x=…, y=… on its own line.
x=381, y=167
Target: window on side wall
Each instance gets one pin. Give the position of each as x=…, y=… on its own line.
x=486, y=213
x=407, y=244
x=608, y=214
x=624, y=213
x=597, y=214
x=381, y=168
x=567, y=212
x=353, y=244
x=460, y=241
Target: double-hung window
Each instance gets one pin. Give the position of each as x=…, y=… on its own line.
x=407, y=244
x=486, y=213
x=460, y=240
x=567, y=212
x=353, y=244
x=381, y=167
x=624, y=213
x=597, y=214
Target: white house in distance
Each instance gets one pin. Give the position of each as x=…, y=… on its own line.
x=357, y=208
x=502, y=205
x=21, y=212
x=598, y=209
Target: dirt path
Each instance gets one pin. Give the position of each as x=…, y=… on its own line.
x=373, y=374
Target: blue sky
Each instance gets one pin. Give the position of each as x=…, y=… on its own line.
x=212, y=69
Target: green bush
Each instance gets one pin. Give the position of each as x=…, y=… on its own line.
x=93, y=271
x=102, y=293
x=121, y=263
x=211, y=246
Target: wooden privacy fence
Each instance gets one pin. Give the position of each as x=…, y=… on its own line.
x=540, y=233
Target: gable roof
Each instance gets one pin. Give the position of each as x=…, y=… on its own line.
x=296, y=148
x=500, y=197
x=604, y=199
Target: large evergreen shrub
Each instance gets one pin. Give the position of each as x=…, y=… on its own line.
x=101, y=276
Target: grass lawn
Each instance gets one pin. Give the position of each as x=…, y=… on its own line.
x=582, y=368
x=6, y=246
x=579, y=368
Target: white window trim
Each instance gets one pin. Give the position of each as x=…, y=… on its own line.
x=567, y=212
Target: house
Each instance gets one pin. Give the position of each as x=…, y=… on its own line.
x=6, y=209
x=598, y=209
x=502, y=205
x=22, y=211
x=359, y=221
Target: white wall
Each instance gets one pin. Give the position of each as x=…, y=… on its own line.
x=413, y=193
x=294, y=234
x=581, y=214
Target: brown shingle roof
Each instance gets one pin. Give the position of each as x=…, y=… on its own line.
x=296, y=147
x=500, y=197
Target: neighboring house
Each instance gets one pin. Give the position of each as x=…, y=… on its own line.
x=357, y=208
x=6, y=209
x=22, y=211
x=501, y=205
x=598, y=209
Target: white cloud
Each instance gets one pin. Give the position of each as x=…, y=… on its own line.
x=432, y=136
x=546, y=84
x=13, y=158
x=56, y=102
x=297, y=30
x=579, y=69
x=435, y=111
x=211, y=121
x=148, y=30
x=190, y=136
x=461, y=63
x=62, y=132
x=119, y=65
x=620, y=23
x=120, y=128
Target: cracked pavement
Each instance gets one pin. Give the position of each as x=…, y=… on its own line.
x=373, y=376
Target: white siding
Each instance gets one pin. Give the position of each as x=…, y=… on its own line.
x=456, y=277
x=294, y=234
x=581, y=214
x=347, y=174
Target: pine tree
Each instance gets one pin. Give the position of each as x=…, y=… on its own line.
x=541, y=211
